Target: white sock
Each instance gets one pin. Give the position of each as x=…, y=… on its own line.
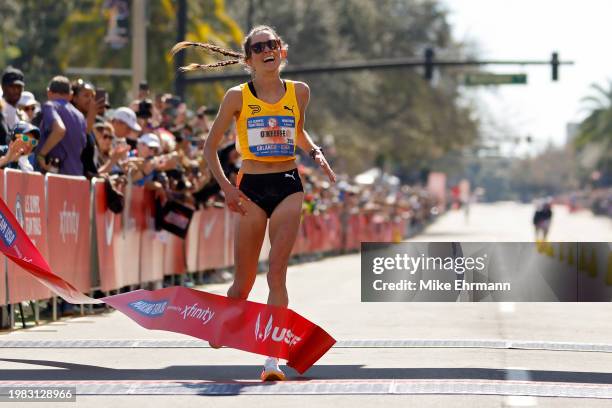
x=271, y=360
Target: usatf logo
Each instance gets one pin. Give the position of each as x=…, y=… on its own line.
x=262, y=336
x=275, y=333
x=272, y=122
x=7, y=233
x=255, y=109
x=149, y=309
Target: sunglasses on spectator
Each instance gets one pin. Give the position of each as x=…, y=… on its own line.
x=28, y=108
x=107, y=136
x=26, y=139
x=260, y=47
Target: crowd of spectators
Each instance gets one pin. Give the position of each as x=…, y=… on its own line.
x=598, y=200
x=157, y=142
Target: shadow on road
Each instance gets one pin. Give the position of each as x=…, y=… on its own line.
x=229, y=373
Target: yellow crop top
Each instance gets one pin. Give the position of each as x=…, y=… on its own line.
x=267, y=132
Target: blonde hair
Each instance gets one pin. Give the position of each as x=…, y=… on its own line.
x=238, y=57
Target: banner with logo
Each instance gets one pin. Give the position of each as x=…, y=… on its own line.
x=25, y=195
x=68, y=202
x=118, y=238
x=15, y=244
x=241, y=324
x=108, y=228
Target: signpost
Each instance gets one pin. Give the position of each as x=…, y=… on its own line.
x=487, y=78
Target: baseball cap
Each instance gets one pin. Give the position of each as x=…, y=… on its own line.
x=12, y=76
x=27, y=99
x=23, y=127
x=149, y=140
x=127, y=116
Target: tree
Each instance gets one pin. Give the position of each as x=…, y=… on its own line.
x=595, y=131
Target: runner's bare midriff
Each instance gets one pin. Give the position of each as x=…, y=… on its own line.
x=259, y=167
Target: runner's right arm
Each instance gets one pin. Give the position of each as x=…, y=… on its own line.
x=230, y=107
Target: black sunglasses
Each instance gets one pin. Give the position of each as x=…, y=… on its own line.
x=260, y=47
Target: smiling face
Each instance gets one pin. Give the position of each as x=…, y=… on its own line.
x=264, y=51
x=83, y=98
x=104, y=138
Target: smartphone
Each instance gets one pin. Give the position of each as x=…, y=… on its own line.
x=101, y=94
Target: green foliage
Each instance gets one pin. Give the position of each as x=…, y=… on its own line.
x=596, y=130
x=391, y=114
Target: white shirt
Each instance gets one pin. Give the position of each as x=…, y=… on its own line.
x=12, y=115
x=24, y=164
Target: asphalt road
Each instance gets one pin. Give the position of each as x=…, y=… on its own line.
x=443, y=354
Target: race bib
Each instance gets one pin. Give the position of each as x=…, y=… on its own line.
x=271, y=135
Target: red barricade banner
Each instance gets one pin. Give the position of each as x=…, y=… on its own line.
x=211, y=244
x=127, y=248
x=191, y=242
x=174, y=255
x=250, y=326
x=151, y=247
x=240, y=324
x=15, y=244
x=2, y=258
x=68, y=200
x=118, y=238
x=108, y=228
x=299, y=247
x=352, y=233
x=25, y=195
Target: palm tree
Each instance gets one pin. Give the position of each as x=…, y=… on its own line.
x=597, y=127
x=82, y=41
x=595, y=132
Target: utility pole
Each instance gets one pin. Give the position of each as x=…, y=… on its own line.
x=179, y=59
x=139, y=44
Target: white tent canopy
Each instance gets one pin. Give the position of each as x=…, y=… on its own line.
x=374, y=175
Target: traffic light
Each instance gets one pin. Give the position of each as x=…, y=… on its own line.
x=429, y=56
x=554, y=63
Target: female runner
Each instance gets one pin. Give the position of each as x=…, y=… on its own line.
x=269, y=113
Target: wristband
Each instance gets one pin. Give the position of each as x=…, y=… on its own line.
x=314, y=152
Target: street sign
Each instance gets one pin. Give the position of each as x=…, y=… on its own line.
x=487, y=78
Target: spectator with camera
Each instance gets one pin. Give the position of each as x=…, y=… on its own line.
x=110, y=153
x=84, y=99
x=18, y=153
x=63, y=131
